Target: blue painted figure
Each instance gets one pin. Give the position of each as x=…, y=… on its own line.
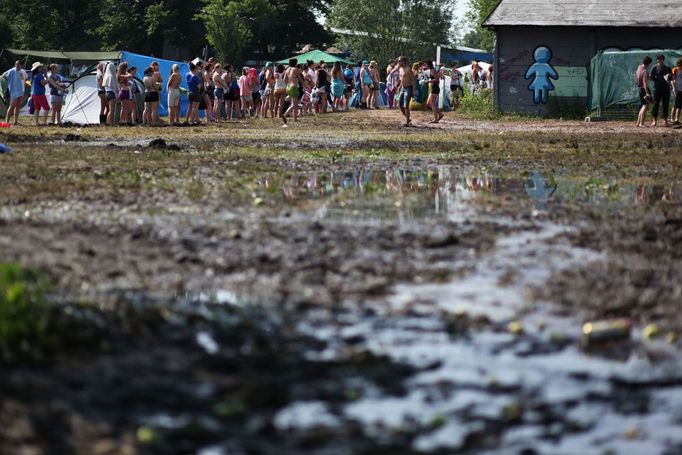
x=541, y=71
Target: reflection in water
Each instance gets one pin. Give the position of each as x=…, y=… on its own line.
x=447, y=191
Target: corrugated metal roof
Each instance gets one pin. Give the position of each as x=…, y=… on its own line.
x=589, y=13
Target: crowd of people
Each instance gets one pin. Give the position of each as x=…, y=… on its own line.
x=666, y=81
x=220, y=93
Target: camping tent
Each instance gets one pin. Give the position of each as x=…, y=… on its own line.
x=316, y=56
x=612, y=75
x=165, y=66
x=80, y=102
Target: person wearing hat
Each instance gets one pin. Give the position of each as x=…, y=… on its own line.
x=15, y=83
x=38, y=97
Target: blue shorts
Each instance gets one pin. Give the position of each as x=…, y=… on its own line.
x=406, y=95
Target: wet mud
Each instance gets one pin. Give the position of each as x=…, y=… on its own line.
x=368, y=298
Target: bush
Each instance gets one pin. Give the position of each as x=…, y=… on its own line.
x=477, y=105
x=24, y=313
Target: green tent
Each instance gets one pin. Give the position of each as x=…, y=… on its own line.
x=316, y=55
x=612, y=75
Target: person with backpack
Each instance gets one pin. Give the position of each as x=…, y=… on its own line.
x=38, y=92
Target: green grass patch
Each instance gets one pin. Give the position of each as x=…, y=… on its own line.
x=25, y=316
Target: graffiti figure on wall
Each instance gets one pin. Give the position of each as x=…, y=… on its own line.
x=541, y=71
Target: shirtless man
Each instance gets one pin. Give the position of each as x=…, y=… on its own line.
x=407, y=83
x=292, y=77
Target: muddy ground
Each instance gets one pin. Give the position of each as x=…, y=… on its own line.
x=347, y=286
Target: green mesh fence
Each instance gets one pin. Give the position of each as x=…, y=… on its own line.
x=612, y=87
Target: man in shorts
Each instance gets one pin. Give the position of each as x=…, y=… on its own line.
x=677, y=88
x=15, y=83
x=642, y=79
x=407, y=84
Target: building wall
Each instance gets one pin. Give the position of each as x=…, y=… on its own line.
x=571, y=48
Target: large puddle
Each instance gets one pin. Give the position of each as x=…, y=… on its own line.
x=496, y=370
x=481, y=386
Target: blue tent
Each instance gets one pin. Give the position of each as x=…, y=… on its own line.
x=165, y=66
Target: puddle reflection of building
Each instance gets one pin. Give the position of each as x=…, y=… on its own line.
x=539, y=189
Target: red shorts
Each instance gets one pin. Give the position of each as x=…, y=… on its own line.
x=40, y=102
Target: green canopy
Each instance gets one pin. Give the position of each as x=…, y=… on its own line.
x=612, y=75
x=316, y=55
x=68, y=55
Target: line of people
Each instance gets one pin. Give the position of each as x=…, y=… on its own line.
x=223, y=94
x=42, y=83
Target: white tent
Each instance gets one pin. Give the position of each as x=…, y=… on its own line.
x=466, y=72
x=82, y=104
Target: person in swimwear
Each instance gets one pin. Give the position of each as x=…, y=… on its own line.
x=407, y=84
x=292, y=77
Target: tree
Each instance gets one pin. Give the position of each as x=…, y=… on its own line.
x=230, y=24
x=32, y=24
x=473, y=38
x=384, y=29
x=269, y=28
x=176, y=22
x=479, y=10
x=122, y=25
x=293, y=25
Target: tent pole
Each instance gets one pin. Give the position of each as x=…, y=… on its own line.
x=85, y=114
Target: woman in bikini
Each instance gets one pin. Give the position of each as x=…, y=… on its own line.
x=292, y=78
x=434, y=81
x=280, y=91
x=219, y=93
x=174, y=96
x=125, y=94
x=151, y=96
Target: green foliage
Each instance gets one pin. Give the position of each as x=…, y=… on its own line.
x=228, y=25
x=474, y=38
x=292, y=25
x=51, y=24
x=271, y=28
x=477, y=105
x=24, y=314
x=388, y=28
x=479, y=10
x=32, y=24
x=123, y=26
x=176, y=22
